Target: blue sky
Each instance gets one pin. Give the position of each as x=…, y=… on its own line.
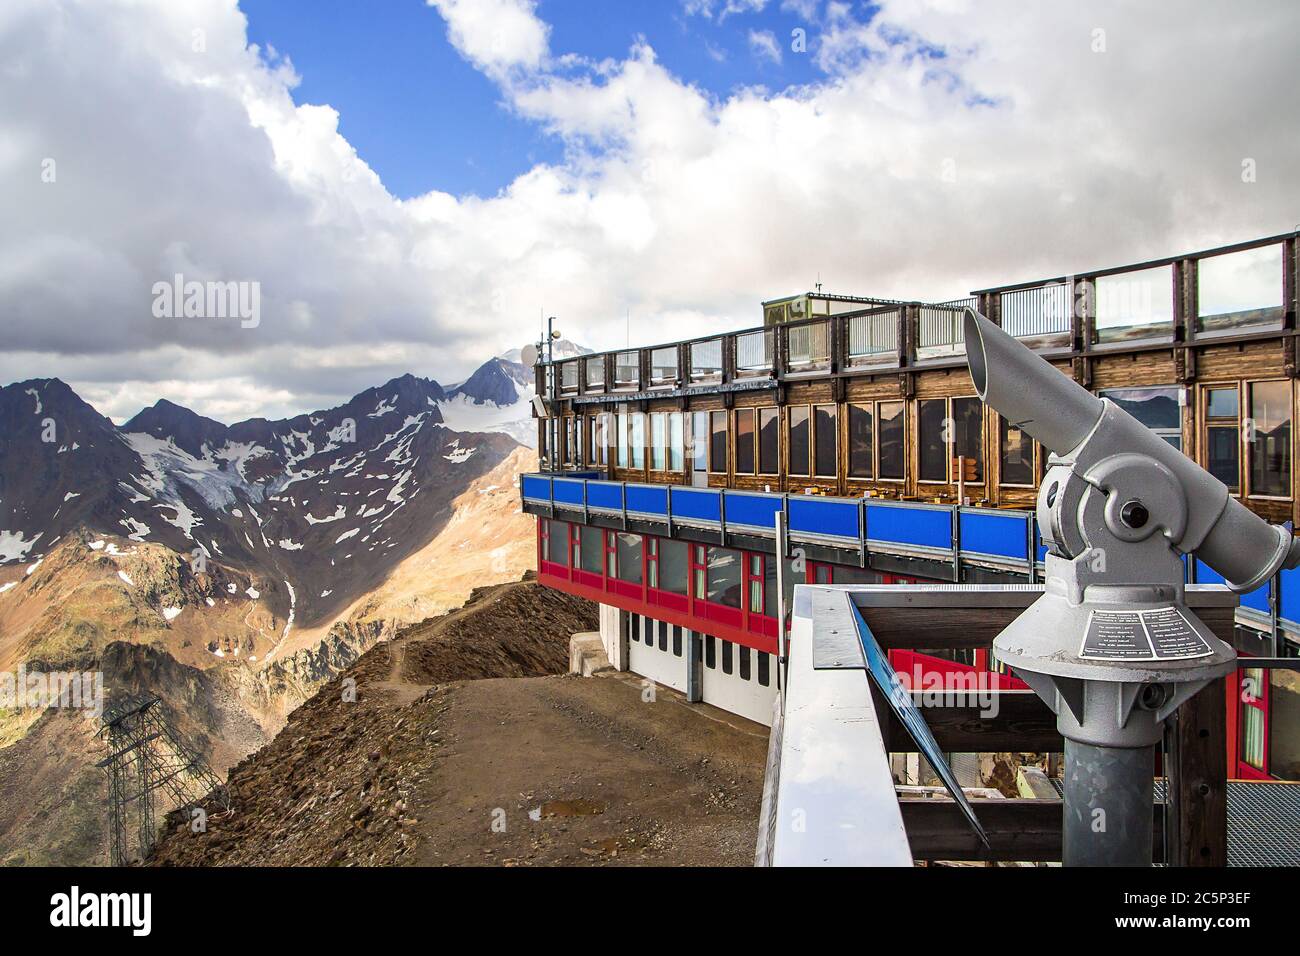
x=423, y=118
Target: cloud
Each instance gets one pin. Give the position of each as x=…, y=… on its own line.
x=764, y=46
x=724, y=9
x=676, y=206
x=497, y=36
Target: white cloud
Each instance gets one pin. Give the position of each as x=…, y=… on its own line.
x=677, y=206
x=724, y=9
x=496, y=35
x=764, y=46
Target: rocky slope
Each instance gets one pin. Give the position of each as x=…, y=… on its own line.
x=333, y=786
x=230, y=569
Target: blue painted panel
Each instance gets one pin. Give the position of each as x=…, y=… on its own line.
x=991, y=532
x=758, y=511
x=1256, y=600
x=1206, y=574
x=567, y=492
x=697, y=503
x=647, y=499
x=1040, y=549
x=535, y=487
x=1290, y=595
x=813, y=515
x=605, y=494
x=925, y=527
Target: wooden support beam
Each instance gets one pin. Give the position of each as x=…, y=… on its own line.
x=1018, y=830
x=1017, y=722
x=1198, y=780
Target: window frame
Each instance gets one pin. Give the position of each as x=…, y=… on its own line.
x=1206, y=422
x=752, y=415
x=1249, y=447
x=759, y=460
x=789, y=441
x=815, y=433
x=713, y=435
x=877, y=444
x=946, y=445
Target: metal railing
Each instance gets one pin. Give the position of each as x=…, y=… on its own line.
x=663, y=366
x=940, y=328
x=1042, y=310
x=595, y=368
x=706, y=360
x=881, y=334
x=873, y=336
x=808, y=345
x=627, y=370
x=754, y=353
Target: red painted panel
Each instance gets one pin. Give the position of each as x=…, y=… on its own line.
x=666, y=599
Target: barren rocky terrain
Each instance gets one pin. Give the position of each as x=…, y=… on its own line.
x=445, y=746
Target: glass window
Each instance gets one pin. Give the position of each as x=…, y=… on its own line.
x=727, y=666
x=638, y=440
x=663, y=635
x=697, y=558
x=889, y=435
x=769, y=428
x=1156, y=408
x=590, y=549
x=652, y=562
x=932, y=445
x=676, y=442
x=629, y=558
x=557, y=543
x=1133, y=304
x=623, y=426
x=1239, y=287
x=798, y=443
x=745, y=441
x=710, y=652
x=827, y=441
x=718, y=443
x=769, y=587
x=677, y=640
x=700, y=441
x=725, y=584
x=1017, y=454
x=860, y=441
x=1268, y=430
x=673, y=565
x=743, y=652
x=756, y=583
x=968, y=427
x=848, y=575
x=764, y=669
x=658, y=441
x=1284, y=723
x=1223, y=437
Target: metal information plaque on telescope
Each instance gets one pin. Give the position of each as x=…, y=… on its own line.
x=1160, y=634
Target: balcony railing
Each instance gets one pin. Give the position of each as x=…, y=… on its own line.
x=808, y=346
x=663, y=366
x=627, y=370
x=1037, y=312
x=754, y=353
x=595, y=373
x=873, y=337
x=706, y=361
x=1247, y=288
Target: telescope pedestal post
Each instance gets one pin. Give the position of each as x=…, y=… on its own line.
x=1108, y=805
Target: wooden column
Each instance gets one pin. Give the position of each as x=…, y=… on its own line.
x=1198, y=780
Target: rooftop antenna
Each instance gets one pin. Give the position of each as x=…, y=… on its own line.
x=819, y=282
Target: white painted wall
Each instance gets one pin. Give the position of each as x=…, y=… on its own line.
x=662, y=667
x=611, y=620
x=748, y=698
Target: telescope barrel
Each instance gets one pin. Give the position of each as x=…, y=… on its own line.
x=1025, y=390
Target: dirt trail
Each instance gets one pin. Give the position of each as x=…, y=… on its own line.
x=440, y=760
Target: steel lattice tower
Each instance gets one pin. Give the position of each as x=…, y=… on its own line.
x=145, y=756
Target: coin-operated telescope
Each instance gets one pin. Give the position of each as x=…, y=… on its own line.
x=1111, y=646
